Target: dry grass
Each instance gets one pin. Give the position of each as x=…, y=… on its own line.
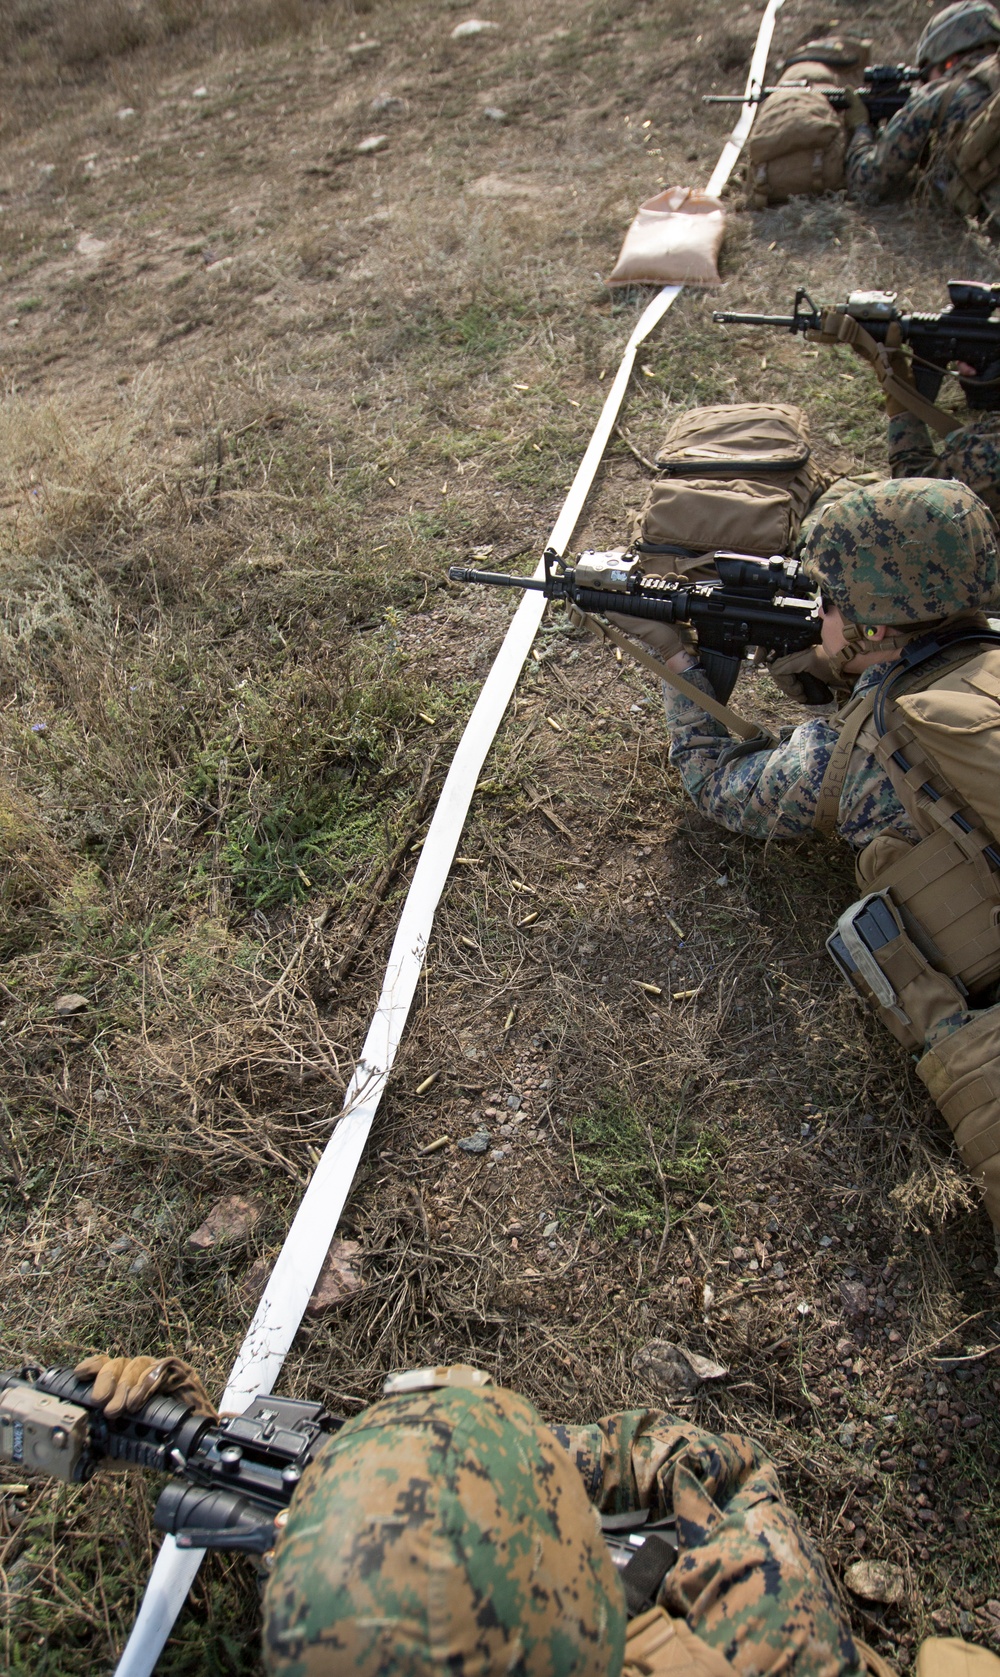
x=260, y=391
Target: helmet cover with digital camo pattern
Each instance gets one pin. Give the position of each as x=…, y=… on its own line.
x=906, y=552
x=959, y=28
x=443, y=1531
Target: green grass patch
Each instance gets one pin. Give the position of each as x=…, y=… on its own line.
x=617, y=1145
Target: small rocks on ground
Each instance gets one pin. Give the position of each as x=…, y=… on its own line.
x=372, y=142
x=65, y=1006
x=478, y=1142
x=493, y=113
x=876, y=1581
x=673, y=1370
x=854, y=1297
x=387, y=104
x=473, y=26
x=357, y=48
x=338, y=1280
x=229, y=1222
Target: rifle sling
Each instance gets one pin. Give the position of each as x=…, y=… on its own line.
x=828, y=801
x=849, y=331
x=731, y=720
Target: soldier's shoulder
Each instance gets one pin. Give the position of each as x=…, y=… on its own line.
x=979, y=437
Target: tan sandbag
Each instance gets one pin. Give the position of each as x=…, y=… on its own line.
x=675, y=239
x=962, y=1075
x=699, y=514
x=949, y=1656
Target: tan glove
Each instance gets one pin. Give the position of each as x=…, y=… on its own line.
x=124, y=1384
x=856, y=114
x=662, y=638
x=785, y=673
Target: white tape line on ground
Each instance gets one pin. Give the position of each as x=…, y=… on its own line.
x=294, y=1276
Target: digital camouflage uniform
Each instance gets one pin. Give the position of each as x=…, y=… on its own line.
x=971, y=453
x=902, y=556
x=772, y=793
x=855, y=546
x=876, y=164
x=747, y=1578
x=450, y=1530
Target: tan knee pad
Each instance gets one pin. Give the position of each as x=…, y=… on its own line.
x=962, y=1073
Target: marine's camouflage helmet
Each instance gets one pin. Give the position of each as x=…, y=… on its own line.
x=443, y=1531
x=959, y=28
x=909, y=551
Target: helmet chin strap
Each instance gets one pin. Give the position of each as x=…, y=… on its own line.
x=857, y=639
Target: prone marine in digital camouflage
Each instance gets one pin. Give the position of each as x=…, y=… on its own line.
x=448, y=1529
x=964, y=337
x=908, y=772
x=929, y=138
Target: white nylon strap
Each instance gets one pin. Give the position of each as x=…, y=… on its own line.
x=277, y=1318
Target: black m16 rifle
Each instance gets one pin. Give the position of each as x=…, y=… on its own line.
x=884, y=91
x=754, y=602
x=233, y=1478
x=965, y=331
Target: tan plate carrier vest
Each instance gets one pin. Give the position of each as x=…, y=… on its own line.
x=973, y=152
x=942, y=891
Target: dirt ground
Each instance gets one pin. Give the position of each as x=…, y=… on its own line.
x=260, y=388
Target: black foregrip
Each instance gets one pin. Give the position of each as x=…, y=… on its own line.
x=656, y=608
x=203, y=1518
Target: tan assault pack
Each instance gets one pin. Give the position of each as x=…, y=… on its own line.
x=798, y=142
x=737, y=477
x=973, y=153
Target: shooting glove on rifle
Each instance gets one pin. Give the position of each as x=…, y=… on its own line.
x=785, y=673
x=856, y=115
x=662, y=638
x=125, y=1384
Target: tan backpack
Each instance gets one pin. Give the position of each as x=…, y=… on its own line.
x=738, y=477
x=973, y=153
x=797, y=143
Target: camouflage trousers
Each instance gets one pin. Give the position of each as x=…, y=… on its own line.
x=748, y=1580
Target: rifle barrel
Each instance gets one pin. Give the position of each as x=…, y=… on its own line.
x=496, y=579
x=725, y=317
